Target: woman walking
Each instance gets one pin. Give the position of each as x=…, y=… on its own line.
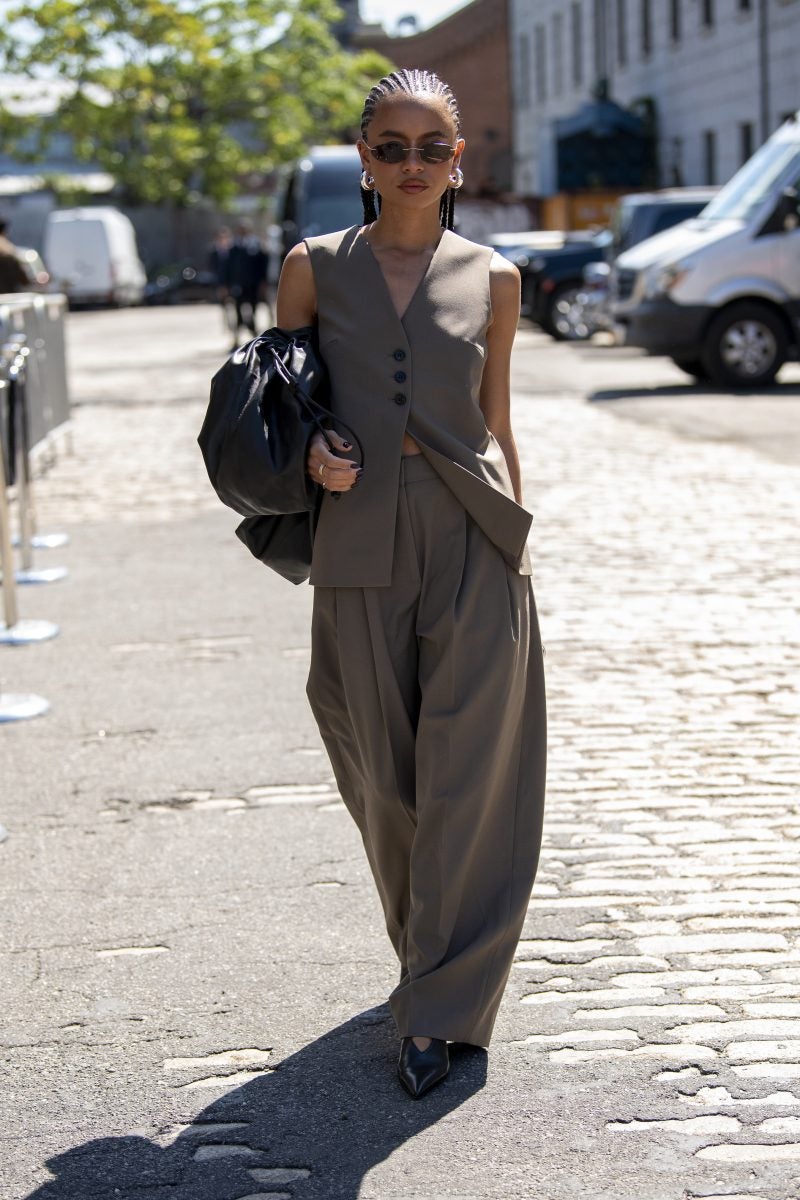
x=426, y=675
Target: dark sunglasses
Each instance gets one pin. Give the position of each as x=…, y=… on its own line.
x=395, y=152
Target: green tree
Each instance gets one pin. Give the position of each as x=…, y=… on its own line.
x=178, y=98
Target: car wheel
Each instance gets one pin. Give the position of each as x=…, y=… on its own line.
x=694, y=367
x=566, y=318
x=745, y=346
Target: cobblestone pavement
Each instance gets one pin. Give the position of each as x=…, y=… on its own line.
x=660, y=967
x=668, y=573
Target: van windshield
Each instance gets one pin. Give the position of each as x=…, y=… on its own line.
x=753, y=183
x=325, y=214
x=331, y=197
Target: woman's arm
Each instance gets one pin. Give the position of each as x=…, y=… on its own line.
x=296, y=307
x=495, y=398
x=296, y=303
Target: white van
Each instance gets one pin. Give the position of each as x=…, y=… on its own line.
x=92, y=256
x=720, y=294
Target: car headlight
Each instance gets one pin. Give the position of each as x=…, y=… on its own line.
x=660, y=280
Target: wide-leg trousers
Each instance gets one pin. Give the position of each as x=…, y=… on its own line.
x=429, y=696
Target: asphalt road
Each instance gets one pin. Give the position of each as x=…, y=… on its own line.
x=192, y=961
x=653, y=391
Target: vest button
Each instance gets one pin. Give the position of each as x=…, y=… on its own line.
x=400, y=398
x=399, y=355
x=400, y=376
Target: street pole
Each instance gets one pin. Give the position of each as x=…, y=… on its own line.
x=763, y=66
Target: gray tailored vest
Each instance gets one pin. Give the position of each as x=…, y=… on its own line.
x=421, y=374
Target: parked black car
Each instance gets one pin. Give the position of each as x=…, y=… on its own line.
x=555, y=290
x=552, y=279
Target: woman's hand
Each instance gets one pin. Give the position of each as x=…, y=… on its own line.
x=337, y=474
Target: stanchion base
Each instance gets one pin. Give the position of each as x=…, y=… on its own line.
x=44, y=541
x=25, y=632
x=17, y=706
x=34, y=575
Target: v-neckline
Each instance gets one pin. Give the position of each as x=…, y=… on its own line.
x=417, y=289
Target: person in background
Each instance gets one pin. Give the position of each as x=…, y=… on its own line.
x=218, y=266
x=13, y=276
x=246, y=278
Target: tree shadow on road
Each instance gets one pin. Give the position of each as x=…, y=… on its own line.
x=310, y=1130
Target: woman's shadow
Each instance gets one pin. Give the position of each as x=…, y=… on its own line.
x=310, y=1130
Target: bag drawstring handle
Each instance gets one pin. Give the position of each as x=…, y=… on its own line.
x=313, y=407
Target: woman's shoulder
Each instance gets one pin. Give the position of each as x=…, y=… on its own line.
x=331, y=243
x=469, y=250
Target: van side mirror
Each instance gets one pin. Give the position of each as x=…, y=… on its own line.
x=785, y=217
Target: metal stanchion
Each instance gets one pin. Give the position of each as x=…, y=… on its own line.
x=16, y=706
x=45, y=372
x=18, y=352
x=39, y=321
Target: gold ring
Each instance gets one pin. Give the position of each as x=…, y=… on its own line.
x=322, y=467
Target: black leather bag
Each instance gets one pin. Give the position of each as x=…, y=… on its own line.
x=266, y=402
x=283, y=542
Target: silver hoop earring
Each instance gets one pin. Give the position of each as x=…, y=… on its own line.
x=367, y=182
x=456, y=179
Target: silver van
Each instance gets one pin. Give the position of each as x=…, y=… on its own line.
x=720, y=294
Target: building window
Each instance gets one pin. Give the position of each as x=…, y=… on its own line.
x=707, y=14
x=647, y=28
x=746, y=132
x=524, y=70
x=710, y=155
x=558, y=54
x=577, y=45
x=675, y=20
x=622, y=32
x=540, y=66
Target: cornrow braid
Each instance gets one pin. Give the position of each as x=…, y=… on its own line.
x=410, y=82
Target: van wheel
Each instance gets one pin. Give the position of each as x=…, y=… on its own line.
x=693, y=367
x=745, y=346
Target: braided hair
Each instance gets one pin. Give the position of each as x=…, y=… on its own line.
x=410, y=82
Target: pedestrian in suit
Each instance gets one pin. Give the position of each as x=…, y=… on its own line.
x=426, y=676
x=246, y=270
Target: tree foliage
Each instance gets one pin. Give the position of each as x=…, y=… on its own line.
x=179, y=98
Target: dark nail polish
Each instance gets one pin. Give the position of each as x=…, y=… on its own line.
x=346, y=445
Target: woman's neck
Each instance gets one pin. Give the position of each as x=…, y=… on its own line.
x=409, y=233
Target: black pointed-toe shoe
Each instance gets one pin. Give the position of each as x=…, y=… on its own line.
x=420, y=1070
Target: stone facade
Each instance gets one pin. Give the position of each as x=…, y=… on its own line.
x=722, y=75
x=469, y=49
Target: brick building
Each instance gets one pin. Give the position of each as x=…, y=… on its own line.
x=470, y=50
